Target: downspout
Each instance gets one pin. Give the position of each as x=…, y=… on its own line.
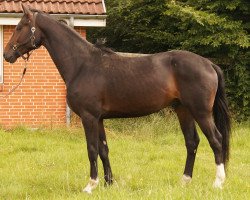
x=68, y=111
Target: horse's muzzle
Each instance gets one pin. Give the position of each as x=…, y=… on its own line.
x=11, y=58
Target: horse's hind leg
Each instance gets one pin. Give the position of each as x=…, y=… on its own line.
x=187, y=124
x=214, y=137
x=103, y=153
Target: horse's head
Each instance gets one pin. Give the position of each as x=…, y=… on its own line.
x=25, y=38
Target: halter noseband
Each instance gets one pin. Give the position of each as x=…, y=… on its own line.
x=30, y=39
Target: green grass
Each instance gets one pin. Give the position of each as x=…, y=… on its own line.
x=147, y=157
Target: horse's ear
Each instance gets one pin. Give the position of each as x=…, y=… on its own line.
x=27, y=11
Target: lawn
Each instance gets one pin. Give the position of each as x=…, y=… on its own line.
x=147, y=157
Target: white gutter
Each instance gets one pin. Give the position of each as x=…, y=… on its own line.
x=59, y=15
x=79, y=20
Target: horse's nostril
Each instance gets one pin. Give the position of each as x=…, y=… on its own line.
x=4, y=55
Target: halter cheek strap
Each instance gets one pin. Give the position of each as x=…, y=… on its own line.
x=31, y=39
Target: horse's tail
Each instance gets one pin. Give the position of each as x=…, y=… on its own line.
x=221, y=114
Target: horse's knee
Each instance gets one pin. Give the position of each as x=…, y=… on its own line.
x=192, y=147
x=92, y=152
x=103, y=150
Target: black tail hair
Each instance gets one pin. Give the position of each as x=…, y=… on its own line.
x=221, y=114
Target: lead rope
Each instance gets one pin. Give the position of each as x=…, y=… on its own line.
x=21, y=79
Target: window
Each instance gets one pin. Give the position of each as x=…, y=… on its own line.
x=1, y=54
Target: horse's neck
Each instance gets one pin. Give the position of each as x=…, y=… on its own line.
x=66, y=48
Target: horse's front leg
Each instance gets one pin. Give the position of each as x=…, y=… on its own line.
x=90, y=124
x=103, y=153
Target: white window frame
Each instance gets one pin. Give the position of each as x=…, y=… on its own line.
x=1, y=54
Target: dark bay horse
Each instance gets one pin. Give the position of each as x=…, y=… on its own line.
x=101, y=84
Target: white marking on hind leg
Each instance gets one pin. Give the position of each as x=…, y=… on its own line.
x=220, y=176
x=186, y=179
x=91, y=185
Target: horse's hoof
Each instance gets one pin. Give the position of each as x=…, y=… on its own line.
x=108, y=183
x=186, y=179
x=218, y=183
x=91, y=185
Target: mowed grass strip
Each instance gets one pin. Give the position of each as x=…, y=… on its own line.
x=147, y=157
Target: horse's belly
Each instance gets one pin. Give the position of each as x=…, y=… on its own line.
x=136, y=105
x=141, y=95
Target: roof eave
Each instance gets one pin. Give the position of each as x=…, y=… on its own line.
x=79, y=19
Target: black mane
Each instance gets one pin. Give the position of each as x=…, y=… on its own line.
x=100, y=44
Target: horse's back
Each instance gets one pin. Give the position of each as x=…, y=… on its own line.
x=142, y=85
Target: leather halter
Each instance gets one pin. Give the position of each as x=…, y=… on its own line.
x=15, y=48
x=31, y=39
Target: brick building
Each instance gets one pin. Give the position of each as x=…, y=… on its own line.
x=40, y=99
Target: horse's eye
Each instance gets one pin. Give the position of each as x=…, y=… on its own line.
x=18, y=28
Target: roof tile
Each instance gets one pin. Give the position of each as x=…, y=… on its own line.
x=85, y=7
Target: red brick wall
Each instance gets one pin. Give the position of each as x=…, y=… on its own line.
x=40, y=99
